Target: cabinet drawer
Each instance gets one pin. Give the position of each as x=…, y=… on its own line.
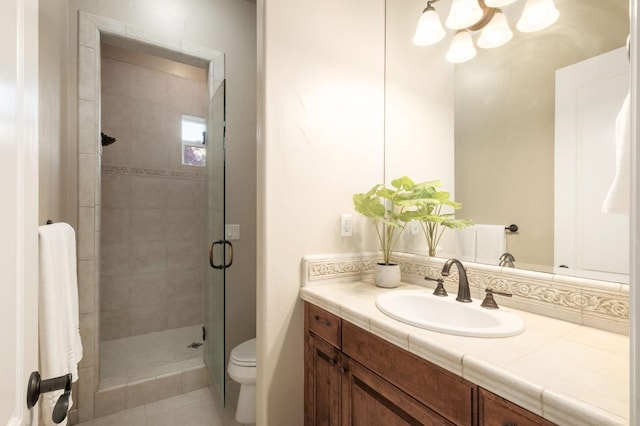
x=324, y=324
x=446, y=394
x=495, y=410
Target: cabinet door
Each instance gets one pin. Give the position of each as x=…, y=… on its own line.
x=450, y=396
x=369, y=400
x=322, y=383
x=495, y=410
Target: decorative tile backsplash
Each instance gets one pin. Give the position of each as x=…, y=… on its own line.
x=341, y=267
x=154, y=172
x=597, y=304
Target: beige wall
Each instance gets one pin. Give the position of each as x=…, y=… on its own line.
x=150, y=276
x=504, y=132
x=52, y=111
x=321, y=140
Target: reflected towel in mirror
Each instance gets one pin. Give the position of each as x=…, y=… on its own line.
x=617, y=200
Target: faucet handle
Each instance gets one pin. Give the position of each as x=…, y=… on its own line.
x=439, y=290
x=489, y=302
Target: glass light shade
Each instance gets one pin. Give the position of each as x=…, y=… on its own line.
x=461, y=49
x=498, y=3
x=537, y=15
x=496, y=33
x=429, y=30
x=463, y=14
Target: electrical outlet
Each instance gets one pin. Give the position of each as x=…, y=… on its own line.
x=415, y=227
x=346, y=228
x=231, y=232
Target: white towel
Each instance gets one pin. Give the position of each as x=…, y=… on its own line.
x=466, y=239
x=59, y=319
x=617, y=200
x=491, y=242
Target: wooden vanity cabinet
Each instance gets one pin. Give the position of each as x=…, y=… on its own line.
x=495, y=410
x=323, y=361
x=368, y=399
x=353, y=377
x=322, y=383
x=435, y=388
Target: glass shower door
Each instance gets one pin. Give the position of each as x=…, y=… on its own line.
x=219, y=251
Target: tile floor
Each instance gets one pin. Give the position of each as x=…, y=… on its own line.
x=197, y=408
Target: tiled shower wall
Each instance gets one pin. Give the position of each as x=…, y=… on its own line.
x=152, y=207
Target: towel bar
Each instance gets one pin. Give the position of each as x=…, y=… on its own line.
x=512, y=228
x=36, y=387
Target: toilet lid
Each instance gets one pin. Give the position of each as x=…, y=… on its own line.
x=245, y=354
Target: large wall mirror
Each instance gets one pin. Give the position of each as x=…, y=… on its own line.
x=491, y=129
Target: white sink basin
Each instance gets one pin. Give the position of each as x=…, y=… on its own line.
x=447, y=315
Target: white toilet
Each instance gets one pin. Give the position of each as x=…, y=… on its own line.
x=242, y=369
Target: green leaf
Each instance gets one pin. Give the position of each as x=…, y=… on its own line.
x=386, y=193
x=392, y=208
x=403, y=183
x=368, y=206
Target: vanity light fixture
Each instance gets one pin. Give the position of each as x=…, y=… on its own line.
x=461, y=49
x=467, y=16
x=429, y=29
x=537, y=15
x=496, y=33
x=463, y=14
x=498, y=3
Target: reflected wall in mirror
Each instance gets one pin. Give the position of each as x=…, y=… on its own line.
x=486, y=128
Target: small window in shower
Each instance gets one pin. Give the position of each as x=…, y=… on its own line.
x=194, y=152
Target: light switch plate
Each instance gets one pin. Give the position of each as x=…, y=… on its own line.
x=346, y=227
x=232, y=232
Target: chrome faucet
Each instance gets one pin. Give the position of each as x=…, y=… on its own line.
x=464, y=294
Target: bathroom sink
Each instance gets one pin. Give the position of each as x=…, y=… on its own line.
x=446, y=315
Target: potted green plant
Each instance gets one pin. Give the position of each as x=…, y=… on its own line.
x=390, y=209
x=436, y=212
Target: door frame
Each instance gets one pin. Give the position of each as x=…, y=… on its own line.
x=19, y=217
x=92, y=29
x=634, y=237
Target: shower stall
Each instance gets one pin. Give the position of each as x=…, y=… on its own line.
x=162, y=250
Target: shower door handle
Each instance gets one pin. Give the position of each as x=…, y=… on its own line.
x=226, y=265
x=223, y=266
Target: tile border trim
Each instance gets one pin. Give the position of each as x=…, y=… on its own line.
x=154, y=172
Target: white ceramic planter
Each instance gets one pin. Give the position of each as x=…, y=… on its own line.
x=386, y=276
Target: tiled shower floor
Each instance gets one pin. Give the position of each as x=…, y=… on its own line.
x=137, y=358
x=150, y=355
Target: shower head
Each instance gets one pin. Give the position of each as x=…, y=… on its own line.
x=106, y=139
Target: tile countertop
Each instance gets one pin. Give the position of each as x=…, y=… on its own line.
x=567, y=373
